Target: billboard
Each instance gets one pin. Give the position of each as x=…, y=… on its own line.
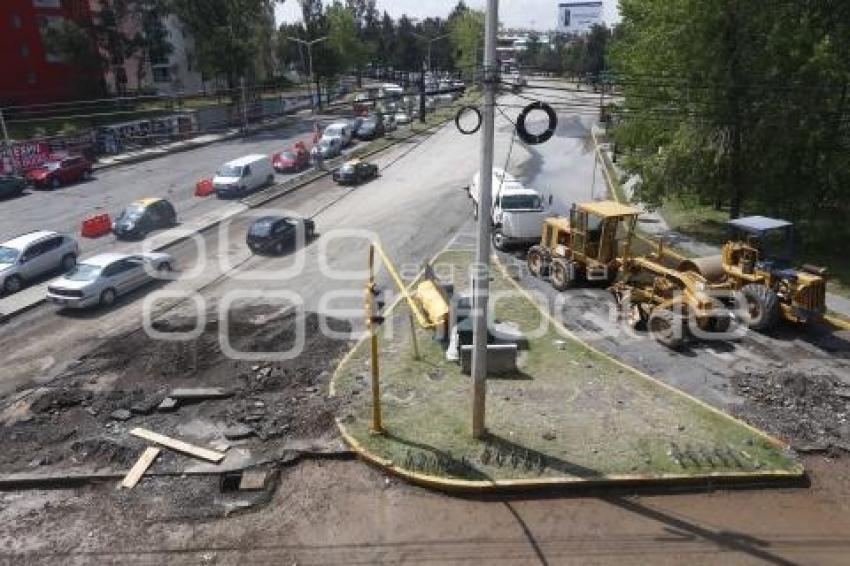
x=579, y=17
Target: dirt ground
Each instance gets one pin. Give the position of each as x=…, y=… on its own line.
x=73, y=423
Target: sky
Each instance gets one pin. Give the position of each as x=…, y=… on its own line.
x=535, y=14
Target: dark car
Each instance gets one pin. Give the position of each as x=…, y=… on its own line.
x=292, y=159
x=273, y=234
x=143, y=217
x=370, y=128
x=11, y=185
x=54, y=174
x=355, y=171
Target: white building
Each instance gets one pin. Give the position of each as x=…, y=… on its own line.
x=578, y=17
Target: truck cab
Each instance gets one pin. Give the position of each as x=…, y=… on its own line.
x=517, y=211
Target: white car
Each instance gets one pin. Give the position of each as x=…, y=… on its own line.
x=101, y=279
x=341, y=130
x=327, y=148
x=389, y=123
x=243, y=175
x=34, y=254
x=402, y=118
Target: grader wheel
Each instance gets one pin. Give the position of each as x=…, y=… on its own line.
x=666, y=327
x=535, y=261
x=762, y=307
x=562, y=275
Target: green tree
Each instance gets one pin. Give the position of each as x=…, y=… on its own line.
x=344, y=38
x=73, y=43
x=232, y=37
x=466, y=28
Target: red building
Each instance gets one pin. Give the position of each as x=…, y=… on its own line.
x=30, y=72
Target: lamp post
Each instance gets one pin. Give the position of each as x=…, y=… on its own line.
x=309, y=45
x=430, y=41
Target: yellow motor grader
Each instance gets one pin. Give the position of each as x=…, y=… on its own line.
x=586, y=246
x=756, y=261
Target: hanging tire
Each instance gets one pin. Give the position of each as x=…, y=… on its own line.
x=563, y=275
x=762, y=307
x=666, y=328
x=535, y=261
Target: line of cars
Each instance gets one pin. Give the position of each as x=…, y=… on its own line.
x=50, y=175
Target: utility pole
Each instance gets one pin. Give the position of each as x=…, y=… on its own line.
x=7, y=146
x=422, y=95
x=481, y=275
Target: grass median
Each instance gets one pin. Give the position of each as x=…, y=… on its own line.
x=569, y=413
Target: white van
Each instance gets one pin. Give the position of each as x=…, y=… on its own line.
x=243, y=175
x=517, y=211
x=341, y=130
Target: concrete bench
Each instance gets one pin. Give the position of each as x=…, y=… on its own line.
x=501, y=359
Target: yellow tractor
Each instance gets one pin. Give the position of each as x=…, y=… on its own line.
x=589, y=245
x=757, y=262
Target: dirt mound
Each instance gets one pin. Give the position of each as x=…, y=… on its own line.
x=808, y=409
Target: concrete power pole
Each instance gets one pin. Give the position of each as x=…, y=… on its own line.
x=481, y=275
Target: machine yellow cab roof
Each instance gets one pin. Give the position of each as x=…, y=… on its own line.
x=558, y=222
x=354, y=161
x=608, y=208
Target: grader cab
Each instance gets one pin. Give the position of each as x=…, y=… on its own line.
x=589, y=245
x=757, y=262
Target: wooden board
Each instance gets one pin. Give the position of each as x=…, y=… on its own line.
x=189, y=393
x=179, y=445
x=140, y=467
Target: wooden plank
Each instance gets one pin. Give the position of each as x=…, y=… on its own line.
x=140, y=467
x=179, y=445
x=199, y=393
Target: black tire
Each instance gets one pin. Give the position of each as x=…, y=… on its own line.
x=55, y=183
x=164, y=267
x=562, y=276
x=13, y=284
x=86, y=175
x=535, y=261
x=68, y=262
x=762, y=307
x=270, y=180
x=499, y=240
x=107, y=297
x=278, y=248
x=666, y=328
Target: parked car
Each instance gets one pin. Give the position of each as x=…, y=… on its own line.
x=11, y=185
x=292, y=159
x=243, y=175
x=101, y=279
x=34, y=254
x=402, y=117
x=276, y=233
x=327, y=148
x=54, y=174
x=390, y=123
x=341, y=130
x=142, y=217
x=354, y=172
x=371, y=127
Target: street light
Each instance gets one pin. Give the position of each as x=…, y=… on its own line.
x=309, y=45
x=430, y=41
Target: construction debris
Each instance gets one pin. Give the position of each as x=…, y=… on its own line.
x=120, y=415
x=140, y=467
x=179, y=445
x=167, y=405
x=238, y=432
x=199, y=393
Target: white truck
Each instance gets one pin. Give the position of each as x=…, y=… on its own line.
x=517, y=212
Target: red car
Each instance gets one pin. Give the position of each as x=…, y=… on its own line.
x=291, y=159
x=54, y=174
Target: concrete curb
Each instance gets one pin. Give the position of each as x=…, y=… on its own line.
x=289, y=457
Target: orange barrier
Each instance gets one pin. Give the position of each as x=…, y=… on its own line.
x=204, y=188
x=96, y=226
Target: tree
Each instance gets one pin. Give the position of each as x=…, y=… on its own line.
x=72, y=42
x=345, y=39
x=729, y=102
x=466, y=28
x=231, y=36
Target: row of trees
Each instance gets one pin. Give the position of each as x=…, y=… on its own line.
x=575, y=56
x=738, y=103
x=358, y=36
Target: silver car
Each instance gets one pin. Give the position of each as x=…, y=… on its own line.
x=31, y=255
x=101, y=279
x=327, y=148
